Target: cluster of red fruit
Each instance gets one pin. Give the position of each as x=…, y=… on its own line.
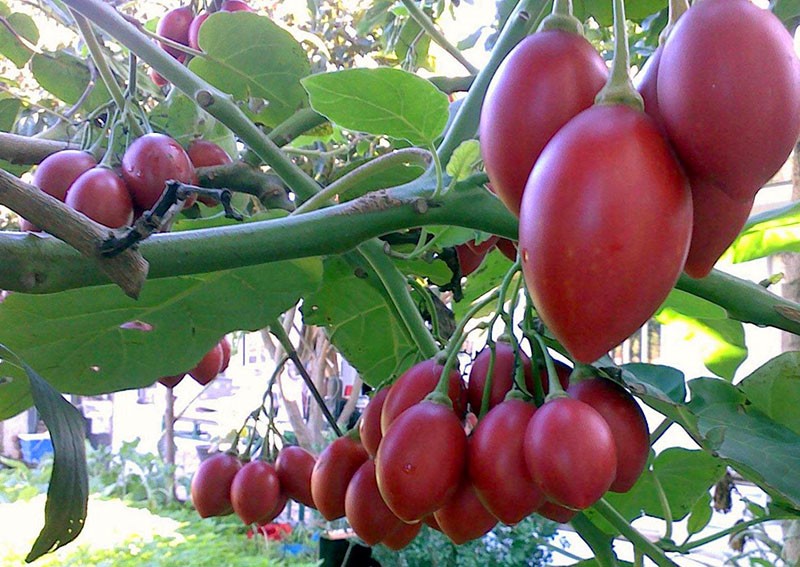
x=113, y=198
x=182, y=26
x=210, y=366
x=615, y=203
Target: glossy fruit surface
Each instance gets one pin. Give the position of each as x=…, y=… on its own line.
x=58, y=171
x=496, y=462
x=605, y=198
x=294, y=466
x=421, y=460
x=332, y=472
x=194, y=29
x=174, y=25
x=368, y=514
x=370, y=424
x=255, y=492
x=502, y=375
x=101, y=195
x=402, y=536
x=205, y=154
x=732, y=118
x=627, y=423
x=211, y=485
x=208, y=367
x=547, y=79
x=463, y=517
x=149, y=162
x=570, y=453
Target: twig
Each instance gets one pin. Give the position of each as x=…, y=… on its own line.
x=22, y=150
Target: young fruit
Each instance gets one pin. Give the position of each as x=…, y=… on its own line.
x=463, y=517
x=174, y=25
x=627, y=423
x=294, y=466
x=416, y=383
x=496, y=462
x=208, y=367
x=732, y=119
x=255, y=492
x=605, y=198
x=211, y=485
x=151, y=161
x=570, y=452
x=368, y=514
x=547, y=79
x=332, y=472
x=101, y=195
x=421, y=460
x=369, y=427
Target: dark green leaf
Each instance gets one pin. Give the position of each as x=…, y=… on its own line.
x=97, y=340
x=380, y=101
x=264, y=63
x=700, y=516
x=360, y=320
x=662, y=383
x=66, y=77
x=601, y=10
x=10, y=44
x=774, y=388
x=68, y=493
x=9, y=108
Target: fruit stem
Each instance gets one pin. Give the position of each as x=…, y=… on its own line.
x=619, y=89
x=665, y=508
x=554, y=384
x=676, y=9
x=596, y=539
x=562, y=19
x=487, y=386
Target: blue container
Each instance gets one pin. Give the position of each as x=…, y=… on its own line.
x=35, y=446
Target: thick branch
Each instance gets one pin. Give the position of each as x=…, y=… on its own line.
x=245, y=178
x=23, y=150
x=128, y=270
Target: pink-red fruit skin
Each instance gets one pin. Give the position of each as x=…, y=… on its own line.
x=211, y=485
x=255, y=492
x=101, y=195
x=151, y=161
x=294, y=466
x=332, y=472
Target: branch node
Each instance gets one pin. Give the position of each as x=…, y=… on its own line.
x=204, y=98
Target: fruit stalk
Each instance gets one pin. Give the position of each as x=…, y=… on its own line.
x=619, y=89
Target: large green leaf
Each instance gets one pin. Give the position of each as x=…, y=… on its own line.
x=11, y=46
x=181, y=118
x=252, y=58
x=66, y=77
x=767, y=233
x=381, y=101
x=788, y=11
x=774, y=388
x=96, y=340
x=360, y=320
x=602, y=12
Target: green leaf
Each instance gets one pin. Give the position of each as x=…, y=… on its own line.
x=766, y=234
x=482, y=281
x=181, y=118
x=662, y=383
x=68, y=493
x=465, y=159
x=412, y=42
x=66, y=77
x=700, y=515
x=601, y=10
x=774, y=388
x=361, y=322
x=9, y=109
x=263, y=63
x=10, y=44
x=788, y=11
x=380, y=101
x=96, y=340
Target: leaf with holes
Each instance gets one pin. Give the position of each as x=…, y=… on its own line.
x=96, y=340
x=382, y=101
x=262, y=67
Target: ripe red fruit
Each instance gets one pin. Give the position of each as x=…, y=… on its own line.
x=206, y=154
x=194, y=29
x=255, y=492
x=401, y=536
x=101, y=195
x=421, y=460
x=58, y=171
x=496, y=462
x=151, y=161
x=174, y=25
x=157, y=79
x=172, y=381
x=332, y=472
x=627, y=423
x=235, y=6
x=226, y=353
x=484, y=247
x=547, y=79
x=508, y=248
x=369, y=427
x=570, y=452
x=416, y=383
x=211, y=485
x=605, y=198
x=553, y=511
x=294, y=466
x=368, y=514
x=732, y=119
x=468, y=259
x=463, y=517
x=208, y=367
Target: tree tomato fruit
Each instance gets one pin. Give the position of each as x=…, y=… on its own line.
x=208, y=367
x=226, y=353
x=171, y=381
x=255, y=492
x=207, y=154
x=421, y=460
x=556, y=513
x=548, y=78
x=294, y=466
x=646, y=82
x=508, y=248
x=496, y=462
x=235, y=6
x=101, y=195
x=368, y=514
x=194, y=29
x=570, y=452
x=58, y=171
x=627, y=423
x=463, y=517
x=401, y=536
x=732, y=119
x=211, y=485
x=605, y=198
x=484, y=247
x=332, y=472
x=157, y=78
x=468, y=259
x=369, y=428
x=416, y=383
x=174, y=25
x=151, y=161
